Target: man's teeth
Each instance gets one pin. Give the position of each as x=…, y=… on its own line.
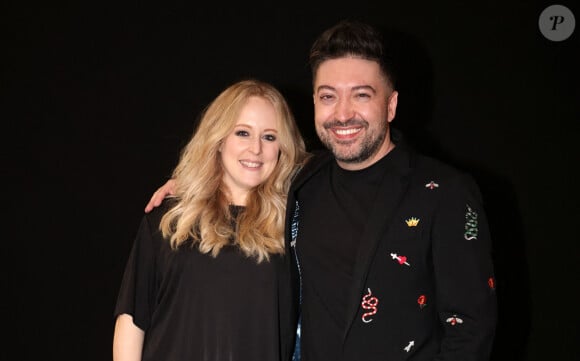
x=347, y=131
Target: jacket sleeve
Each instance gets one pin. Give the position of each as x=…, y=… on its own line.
x=465, y=283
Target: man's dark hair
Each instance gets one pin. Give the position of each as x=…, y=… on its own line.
x=350, y=38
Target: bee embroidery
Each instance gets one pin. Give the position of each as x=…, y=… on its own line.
x=454, y=320
x=431, y=185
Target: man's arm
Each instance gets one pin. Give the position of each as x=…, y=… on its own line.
x=167, y=189
x=464, y=274
x=128, y=339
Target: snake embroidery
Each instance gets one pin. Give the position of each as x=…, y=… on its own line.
x=369, y=303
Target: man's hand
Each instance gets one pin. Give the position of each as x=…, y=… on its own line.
x=167, y=189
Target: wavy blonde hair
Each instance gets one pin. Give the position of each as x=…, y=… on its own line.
x=201, y=212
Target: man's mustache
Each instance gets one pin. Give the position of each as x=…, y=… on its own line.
x=349, y=123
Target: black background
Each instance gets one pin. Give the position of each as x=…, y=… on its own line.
x=98, y=98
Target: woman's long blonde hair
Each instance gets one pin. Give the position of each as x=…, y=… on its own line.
x=201, y=212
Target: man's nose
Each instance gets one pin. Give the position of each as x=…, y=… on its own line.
x=344, y=110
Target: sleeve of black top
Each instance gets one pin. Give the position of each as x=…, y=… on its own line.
x=137, y=293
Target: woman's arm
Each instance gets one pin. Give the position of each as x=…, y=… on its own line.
x=128, y=339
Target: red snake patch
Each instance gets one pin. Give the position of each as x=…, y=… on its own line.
x=369, y=302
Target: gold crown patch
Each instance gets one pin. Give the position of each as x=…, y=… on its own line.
x=412, y=222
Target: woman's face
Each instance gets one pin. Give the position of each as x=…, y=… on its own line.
x=249, y=153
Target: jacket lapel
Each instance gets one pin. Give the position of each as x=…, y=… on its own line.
x=389, y=196
x=319, y=159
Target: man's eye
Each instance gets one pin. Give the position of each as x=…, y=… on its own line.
x=326, y=97
x=363, y=95
x=270, y=137
x=242, y=133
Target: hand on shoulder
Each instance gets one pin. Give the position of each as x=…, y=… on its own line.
x=160, y=194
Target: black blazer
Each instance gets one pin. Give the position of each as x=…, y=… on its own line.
x=424, y=256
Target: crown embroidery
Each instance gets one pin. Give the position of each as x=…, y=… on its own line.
x=412, y=222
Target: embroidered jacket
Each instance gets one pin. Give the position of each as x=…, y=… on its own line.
x=423, y=284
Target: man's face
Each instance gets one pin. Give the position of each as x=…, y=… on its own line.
x=353, y=106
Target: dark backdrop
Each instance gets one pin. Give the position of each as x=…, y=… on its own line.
x=98, y=99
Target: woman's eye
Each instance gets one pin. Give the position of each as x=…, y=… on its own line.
x=242, y=133
x=270, y=137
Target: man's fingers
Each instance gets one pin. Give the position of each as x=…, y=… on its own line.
x=155, y=201
x=160, y=194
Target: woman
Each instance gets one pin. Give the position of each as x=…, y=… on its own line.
x=207, y=278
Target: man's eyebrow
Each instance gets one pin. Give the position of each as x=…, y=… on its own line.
x=324, y=87
x=355, y=88
x=365, y=87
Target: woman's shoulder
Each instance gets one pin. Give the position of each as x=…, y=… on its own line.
x=154, y=217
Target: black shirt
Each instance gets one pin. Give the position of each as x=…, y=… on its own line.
x=334, y=205
x=196, y=307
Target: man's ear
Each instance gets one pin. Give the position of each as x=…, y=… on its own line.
x=392, y=105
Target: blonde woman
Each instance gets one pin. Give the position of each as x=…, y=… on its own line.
x=208, y=277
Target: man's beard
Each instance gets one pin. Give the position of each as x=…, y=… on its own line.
x=368, y=147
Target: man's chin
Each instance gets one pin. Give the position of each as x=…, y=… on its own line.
x=349, y=158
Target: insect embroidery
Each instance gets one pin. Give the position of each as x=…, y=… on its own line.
x=454, y=320
x=431, y=185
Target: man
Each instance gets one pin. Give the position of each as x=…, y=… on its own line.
x=392, y=248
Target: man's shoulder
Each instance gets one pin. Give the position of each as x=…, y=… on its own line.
x=430, y=165
x=319, y=156
x=317, y=160
x=432, y=173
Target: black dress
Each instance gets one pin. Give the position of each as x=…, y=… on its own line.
x=196, y=307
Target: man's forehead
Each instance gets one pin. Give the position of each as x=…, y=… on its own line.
x=348, y=74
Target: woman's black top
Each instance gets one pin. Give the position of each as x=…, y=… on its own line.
x=193, y=306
